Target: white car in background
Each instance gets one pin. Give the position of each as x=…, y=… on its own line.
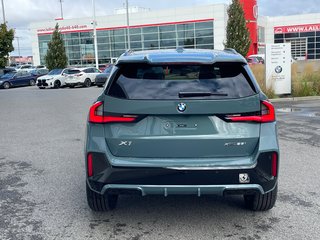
x=40, y=67
x=26, y=68
x=82, y=77
x=54, y=79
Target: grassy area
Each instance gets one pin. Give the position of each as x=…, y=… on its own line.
x=306, y=83
x=305, y=80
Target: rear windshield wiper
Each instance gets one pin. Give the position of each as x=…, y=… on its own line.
x=200, y=94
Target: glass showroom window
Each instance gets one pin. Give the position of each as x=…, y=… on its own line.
x=304, y=45
x=112, y=43
x=43, y=46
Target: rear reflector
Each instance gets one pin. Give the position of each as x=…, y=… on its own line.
x=96, y=115
x=267, y=115
x=274, y=164
x=109, y=119
x=89, y=165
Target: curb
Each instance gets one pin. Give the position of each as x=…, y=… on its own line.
x=291, y=99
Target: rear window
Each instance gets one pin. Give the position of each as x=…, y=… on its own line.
x=144, y=81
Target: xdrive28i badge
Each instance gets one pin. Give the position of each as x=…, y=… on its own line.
x=182, y=107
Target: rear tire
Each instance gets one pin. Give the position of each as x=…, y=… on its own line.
x=57, y=84
x=261, y=202
x=32, y=82
x=101, y=203
x=6, y=85
x=87, y=82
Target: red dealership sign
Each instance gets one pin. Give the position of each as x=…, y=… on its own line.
x=297, y=28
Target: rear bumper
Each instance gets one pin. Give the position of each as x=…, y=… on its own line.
x=198, y=190
x=167, y=181
x=74, y=84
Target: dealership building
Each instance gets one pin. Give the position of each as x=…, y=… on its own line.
x=191, y=27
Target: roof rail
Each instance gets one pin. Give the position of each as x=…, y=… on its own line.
x=180, y=49
x=128, y=52
x=230, y=50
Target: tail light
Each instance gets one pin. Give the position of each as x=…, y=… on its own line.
x=274, y=164
x=89, y=165
x=96, y=115
x=267, y=114
x=79, y=74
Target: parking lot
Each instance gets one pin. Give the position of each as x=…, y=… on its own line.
x=42, y=180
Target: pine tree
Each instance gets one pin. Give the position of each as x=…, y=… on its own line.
x=6, y=39
x=56, y=54
x=238, y=36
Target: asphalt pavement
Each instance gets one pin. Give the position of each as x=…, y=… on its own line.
x=42, y=180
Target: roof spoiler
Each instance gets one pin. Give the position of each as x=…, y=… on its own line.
x=230, y=50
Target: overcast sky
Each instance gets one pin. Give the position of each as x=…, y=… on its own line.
x=20, y=13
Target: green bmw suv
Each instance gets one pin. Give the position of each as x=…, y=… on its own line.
x=192, y=122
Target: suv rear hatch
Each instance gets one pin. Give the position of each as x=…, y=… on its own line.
x=73, y=75
x=172, y=111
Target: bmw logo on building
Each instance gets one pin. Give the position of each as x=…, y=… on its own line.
x=181, y=107
x=278, y=69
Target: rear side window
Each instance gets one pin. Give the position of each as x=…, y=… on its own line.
x=27, y=74
x=89, y=70
x=144, y=81
x=58, y=71
x=73, y=71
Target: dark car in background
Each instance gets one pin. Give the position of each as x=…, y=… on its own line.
x=102, y=78
x=17, y=79
x=102, y=67
x=6, y=70
x=184, y=121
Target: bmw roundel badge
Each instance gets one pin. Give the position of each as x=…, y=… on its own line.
x=182, y=107
x=278, y=69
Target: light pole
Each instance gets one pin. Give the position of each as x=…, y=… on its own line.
x=3, y=14
x=61, y=10
x=95, y=45
x=128, y=25
x=18, y=47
